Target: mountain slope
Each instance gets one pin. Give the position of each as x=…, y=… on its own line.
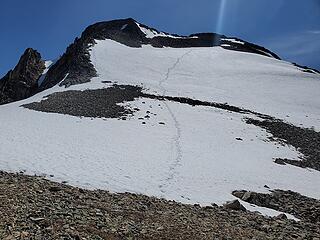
x=130, y=33
x=128, y=108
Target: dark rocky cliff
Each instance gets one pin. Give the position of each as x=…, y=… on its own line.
x=22, y=81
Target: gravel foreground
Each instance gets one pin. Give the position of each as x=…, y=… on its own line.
x=35, y=208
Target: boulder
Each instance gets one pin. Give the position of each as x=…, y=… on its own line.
x=234, y=205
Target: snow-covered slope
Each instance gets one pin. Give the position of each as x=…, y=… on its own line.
x=255, y=82
x=192, y=154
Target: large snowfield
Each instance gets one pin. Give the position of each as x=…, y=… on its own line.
x=194, y=157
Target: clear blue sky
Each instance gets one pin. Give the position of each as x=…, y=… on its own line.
x=291, y=28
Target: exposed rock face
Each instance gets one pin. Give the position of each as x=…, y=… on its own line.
x=76, y=61
x=22, y=81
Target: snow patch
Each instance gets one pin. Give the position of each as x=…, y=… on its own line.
x=154, y=33
x=124, y=26
x=267, y=211
x=47, y=64
x=233, y=40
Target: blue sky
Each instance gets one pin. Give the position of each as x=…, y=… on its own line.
x=291, y=28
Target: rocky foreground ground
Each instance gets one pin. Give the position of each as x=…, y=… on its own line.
x=35, y=208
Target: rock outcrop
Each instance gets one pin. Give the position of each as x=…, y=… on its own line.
x=22, y=81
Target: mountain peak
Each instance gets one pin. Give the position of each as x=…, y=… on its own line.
x=75, y=66
x=131, y=33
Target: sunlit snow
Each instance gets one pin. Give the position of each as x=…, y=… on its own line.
x=195, y=157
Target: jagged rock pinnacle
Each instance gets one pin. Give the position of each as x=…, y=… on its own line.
x=21, y=82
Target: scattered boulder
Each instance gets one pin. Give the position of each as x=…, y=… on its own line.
x=279, y=161
x=281, y=216
x=246, y=197
x=55, y=189
x=234, y=205
x=239, y=194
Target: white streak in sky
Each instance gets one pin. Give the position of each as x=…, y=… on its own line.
x=221, y=16
x=314, y=31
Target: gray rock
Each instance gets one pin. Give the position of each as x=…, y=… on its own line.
x=234, y=205
x=246, y=197
x=281, y=216
x=54, y=189
x=238, y=194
